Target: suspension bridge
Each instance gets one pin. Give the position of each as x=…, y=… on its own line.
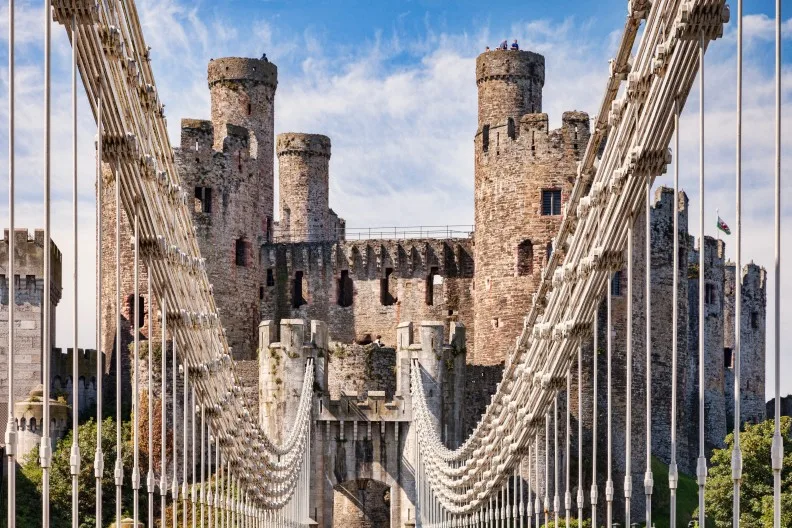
x=246, y=477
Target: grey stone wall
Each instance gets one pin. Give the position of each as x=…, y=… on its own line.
x=28, y=299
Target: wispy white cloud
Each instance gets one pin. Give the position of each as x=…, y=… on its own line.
x=400, y=109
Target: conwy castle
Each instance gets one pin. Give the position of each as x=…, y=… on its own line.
x=294, y=288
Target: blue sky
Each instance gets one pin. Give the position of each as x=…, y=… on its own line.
x=392, y=84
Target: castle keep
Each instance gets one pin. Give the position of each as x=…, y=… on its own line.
x=363, y=310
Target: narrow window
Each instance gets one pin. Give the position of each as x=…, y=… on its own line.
x=141, y=313
x=709, y=293
x=268, y=229
x=249, y=109
x=430, y=286
x=241, y=252
x=728, y=358
x=551, y=202
x=549, y=251
x=270, y=277
x=485, y=138
x=386, y=297
x=525, y=258
x=261, y=292
x=510, y=128
x=344, y=289
x=616, y=284
x=298, y=299
x=203, y=199
x=754, y=320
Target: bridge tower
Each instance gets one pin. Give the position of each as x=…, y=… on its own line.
x=303, y=176
x=523, y=175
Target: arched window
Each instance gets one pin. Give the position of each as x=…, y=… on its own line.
x=33, y=425
x=525, y=258
x=511, y=129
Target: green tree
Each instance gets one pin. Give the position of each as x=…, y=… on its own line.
x=756, y=505
x=30, y=479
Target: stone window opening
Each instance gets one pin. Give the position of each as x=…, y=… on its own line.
x=549, y=251
x=497, y=143
x=249, y=109
x=239, y=160
x=386, y=297
x=533, y=143
x=525, y=258
x=345, y=289
x=241, y=252
x=510, y=128
x=575, y=141
x=141, y=314
x=298, y=299
x=32, y=425
x=709, y=293
x=261, y=293
x=203, y=199
x=485, y=138
x=268, y=229
x=728, y=358
x=270, y=277
x=754, y=320
x=430, y=286
x=616, y=284
x=551, y=202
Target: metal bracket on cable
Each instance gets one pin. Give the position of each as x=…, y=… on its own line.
x=83, y=11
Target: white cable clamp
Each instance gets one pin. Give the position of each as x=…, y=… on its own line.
x=135, y=478
x=777, y=452
x=648, y=482
x=98, y=463
x=609, y=492
x=118, y=472
x=701, y=471
x=74, y=459
x=45, y=453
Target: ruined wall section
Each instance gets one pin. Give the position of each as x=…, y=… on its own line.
x=29, y=296
x=364, y=289
x=663, y=209
x=752, y=331
x=303, y=175
x=715, y=425
x=227, y=221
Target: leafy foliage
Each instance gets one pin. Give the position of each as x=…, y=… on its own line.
x=756, y=505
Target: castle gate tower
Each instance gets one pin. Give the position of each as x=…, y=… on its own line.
x=303, y=175
x=523, y=175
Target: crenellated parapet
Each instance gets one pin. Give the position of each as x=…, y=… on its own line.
x=29, y=267
x=372, y=259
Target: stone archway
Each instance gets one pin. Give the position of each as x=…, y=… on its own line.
x=361, y=503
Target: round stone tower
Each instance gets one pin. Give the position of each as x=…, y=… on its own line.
x=509, y=85
x=243, y=94
x=303, y=174
x=523, y=175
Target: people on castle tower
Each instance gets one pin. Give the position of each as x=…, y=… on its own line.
x=504, y=45
x=515, y=46
x=487, y=49
x=264, y=57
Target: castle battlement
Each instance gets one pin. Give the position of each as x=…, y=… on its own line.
x=242, y=69
x=29, y=253
x=299, y=144
x=197, y=136
x=61, y=364
x=370, y=259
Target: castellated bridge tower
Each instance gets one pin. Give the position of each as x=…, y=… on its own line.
x=523, y=175
x=227, y=163
x=303, y=175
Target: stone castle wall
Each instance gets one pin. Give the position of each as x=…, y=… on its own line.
x=366, y=288
x=28, y=297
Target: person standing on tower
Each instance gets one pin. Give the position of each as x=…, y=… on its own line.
x=515, y=46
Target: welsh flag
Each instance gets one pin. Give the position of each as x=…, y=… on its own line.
x=723, y=227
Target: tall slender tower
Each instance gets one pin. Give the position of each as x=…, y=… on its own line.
x=303, y=176
x=523, y=175
x=228, y=164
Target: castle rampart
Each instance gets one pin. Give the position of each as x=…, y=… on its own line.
x=364, y=289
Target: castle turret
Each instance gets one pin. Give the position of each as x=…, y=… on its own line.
x=243, y=94
x=303, y=175
x=523, y=175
